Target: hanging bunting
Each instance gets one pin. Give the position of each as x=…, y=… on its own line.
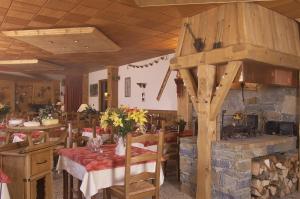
x=153, y=62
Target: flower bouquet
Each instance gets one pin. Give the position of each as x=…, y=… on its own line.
x=124, y=120
x=4, y=110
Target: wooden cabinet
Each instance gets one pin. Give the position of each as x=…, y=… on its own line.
x=30, y=172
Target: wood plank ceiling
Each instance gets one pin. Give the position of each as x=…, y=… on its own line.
x=140, y=32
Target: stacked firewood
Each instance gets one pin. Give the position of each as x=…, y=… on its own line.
x=275, y=176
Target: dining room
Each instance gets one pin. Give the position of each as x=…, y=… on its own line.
x=133, y=99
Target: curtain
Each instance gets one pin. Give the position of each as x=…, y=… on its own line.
x=73, y=94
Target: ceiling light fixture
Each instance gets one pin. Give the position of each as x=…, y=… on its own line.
x=75, y=41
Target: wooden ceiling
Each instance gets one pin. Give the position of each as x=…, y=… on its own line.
x=140, y=32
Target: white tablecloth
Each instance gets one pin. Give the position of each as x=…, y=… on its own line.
x=95, y=180
x=4, y=191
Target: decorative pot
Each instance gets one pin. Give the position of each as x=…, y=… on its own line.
x=120, y=148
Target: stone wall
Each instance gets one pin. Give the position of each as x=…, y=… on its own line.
x=269, y=102
x=188, y=165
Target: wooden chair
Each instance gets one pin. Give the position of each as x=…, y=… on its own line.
x=171, y=151
x=144, y=184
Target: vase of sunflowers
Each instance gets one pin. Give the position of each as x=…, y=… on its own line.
x=124, y=120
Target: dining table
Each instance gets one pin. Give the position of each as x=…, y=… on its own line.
x=4, y=180
x=100, y=170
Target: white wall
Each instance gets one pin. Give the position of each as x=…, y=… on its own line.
x=94, y=78
x=153, y=76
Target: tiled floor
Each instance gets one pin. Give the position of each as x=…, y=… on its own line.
x=169, y=190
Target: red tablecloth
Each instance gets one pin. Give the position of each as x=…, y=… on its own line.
x=99, y=161
x=99, y=130
x=2, y=126
x=4, y=178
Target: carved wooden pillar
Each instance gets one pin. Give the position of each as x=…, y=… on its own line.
x=112, y=86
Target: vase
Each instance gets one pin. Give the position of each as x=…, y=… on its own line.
x=120, y=148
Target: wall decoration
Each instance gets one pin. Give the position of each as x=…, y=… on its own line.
x=93, y=90
x=143, y=86
x=155, y=61
x=127, y=87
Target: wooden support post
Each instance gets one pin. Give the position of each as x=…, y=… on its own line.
x=206, y=130
x=85, y=88
x=112, y=86
x=191, y=86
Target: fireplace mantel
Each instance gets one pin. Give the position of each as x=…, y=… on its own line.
x=259, y=142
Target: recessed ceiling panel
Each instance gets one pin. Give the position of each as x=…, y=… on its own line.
x=29, y=65
x=66, y=40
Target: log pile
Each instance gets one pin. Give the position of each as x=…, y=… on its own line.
x=274, y=176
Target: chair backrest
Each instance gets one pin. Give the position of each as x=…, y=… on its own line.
x=171, y=146
x=151, y=156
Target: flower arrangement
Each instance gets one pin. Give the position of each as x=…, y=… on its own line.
x=124, y=119
x=48, y=112
x=4, y=109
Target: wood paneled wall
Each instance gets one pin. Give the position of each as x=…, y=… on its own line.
x=20, y=94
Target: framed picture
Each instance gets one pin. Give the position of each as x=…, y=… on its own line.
x=127, y=87
x=93, y=90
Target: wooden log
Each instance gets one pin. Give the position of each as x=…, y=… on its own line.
x=255, y=168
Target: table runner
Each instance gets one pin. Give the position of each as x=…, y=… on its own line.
x=99, y=161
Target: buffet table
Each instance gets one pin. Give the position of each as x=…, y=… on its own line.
x=99, y=170
x=34, y=128
x=21, y=132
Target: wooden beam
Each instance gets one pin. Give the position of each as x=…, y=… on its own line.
x=241, y=52
x=163, y=85
x=146, y=3
x=206, y=130
x=231, y=70
x=190, y=85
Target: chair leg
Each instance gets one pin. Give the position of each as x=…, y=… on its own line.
x=65, y=185
x=178, y=170
x=165, y=168
x=71, y=186
x=79, y=195
x=107, y=194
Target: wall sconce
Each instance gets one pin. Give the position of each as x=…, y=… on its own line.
x=106, y=95
x=143, y=86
